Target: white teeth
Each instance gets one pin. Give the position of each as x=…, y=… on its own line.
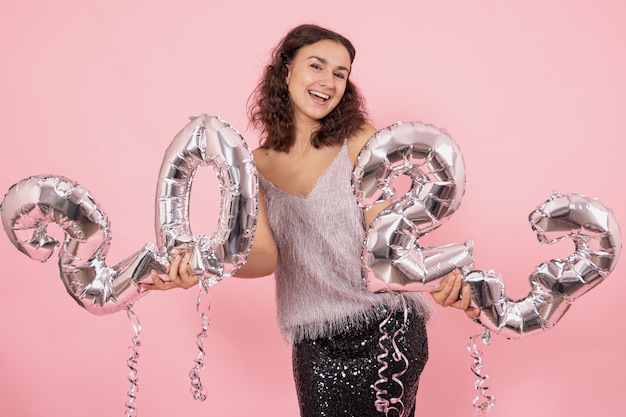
x=318, y=94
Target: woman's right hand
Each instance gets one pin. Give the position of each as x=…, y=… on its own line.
x=261, y=260
x=179, y=273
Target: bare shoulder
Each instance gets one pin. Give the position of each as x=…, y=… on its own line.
x=261, y=159
x=359, y=139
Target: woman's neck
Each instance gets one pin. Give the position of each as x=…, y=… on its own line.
x=303, y=132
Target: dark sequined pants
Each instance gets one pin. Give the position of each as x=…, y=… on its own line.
x=335, y=375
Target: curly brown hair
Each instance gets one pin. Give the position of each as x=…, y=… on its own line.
x=269, y=105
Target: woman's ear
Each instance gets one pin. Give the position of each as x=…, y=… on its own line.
x=289, y=66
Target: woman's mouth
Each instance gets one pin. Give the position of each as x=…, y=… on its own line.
x=319, y=95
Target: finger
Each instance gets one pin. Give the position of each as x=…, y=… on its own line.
x=465, y=297
x=452, y=291
x=465, y=303
x=157, y=283
x=189, y=278
x=441, y=292
x=446, y=282
x=190, y=282
x=184, y=271
x=473, y=313
x=173, y=270
x=442, y=284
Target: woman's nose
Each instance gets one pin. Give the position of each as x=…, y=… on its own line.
x=328, y=79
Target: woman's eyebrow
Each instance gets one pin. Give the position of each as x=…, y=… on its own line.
x=324, y=61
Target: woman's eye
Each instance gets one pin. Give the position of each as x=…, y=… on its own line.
x=340, y=75
x=316, y=66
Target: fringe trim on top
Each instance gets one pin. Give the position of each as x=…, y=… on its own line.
x=416, y=302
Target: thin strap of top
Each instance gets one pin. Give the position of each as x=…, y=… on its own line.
x=319, y=284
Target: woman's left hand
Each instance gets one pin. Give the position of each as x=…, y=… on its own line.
x=452, y=292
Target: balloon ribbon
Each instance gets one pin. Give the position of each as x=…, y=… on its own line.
x=384, y=404
x=131, y=402
x=482, y=403
x=198, y=391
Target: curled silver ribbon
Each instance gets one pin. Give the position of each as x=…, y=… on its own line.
x=383, y=403
x=131, y=402
x=198, y=390
x=483, y=403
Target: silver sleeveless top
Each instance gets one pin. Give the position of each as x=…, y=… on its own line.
x=320, y=289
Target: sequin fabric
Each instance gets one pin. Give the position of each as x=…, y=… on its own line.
x=335, y=375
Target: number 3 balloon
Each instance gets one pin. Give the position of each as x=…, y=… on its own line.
x=557, y=283
x=33, y=203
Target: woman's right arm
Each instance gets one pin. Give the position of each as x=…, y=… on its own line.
x=263, y=254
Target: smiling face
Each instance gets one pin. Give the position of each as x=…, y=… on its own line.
x=316, y=80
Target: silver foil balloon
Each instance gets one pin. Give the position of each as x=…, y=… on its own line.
x=208, y=141
x=555, y=284
x=33, y=203
x=392, y=259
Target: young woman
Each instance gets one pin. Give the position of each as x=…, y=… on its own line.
x=310, y=231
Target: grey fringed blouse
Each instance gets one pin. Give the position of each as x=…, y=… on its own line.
x=320, y=290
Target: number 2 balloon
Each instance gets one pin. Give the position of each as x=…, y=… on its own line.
x=33, y=203
x=392, y=258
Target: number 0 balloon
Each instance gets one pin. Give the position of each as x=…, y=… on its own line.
x=208, y=141
x=33, y=203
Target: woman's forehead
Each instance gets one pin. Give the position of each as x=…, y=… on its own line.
x=326, y=51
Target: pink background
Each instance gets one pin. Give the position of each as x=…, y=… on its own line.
x=534, y=93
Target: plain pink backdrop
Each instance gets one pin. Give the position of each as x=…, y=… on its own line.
x=534, y=93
